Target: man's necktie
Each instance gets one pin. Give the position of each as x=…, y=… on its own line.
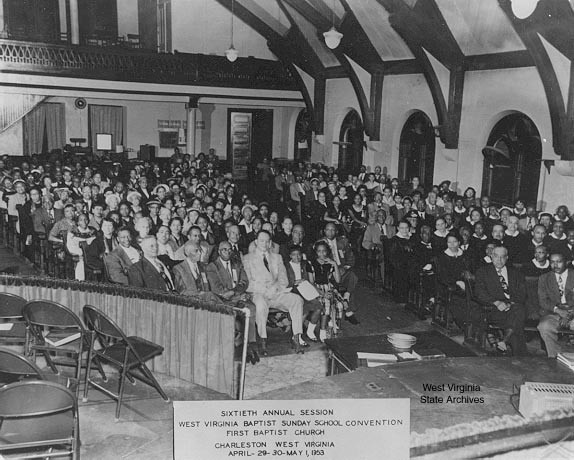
x=561, y=287
x=266, y=263
x=230, y=273
x=504, y=284
x=197, y=277
x=164, y=276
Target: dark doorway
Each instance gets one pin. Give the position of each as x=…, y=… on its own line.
x=250, y=139
x=512, y=161
x=303, y=135
x=351, y=143
x=417, y=149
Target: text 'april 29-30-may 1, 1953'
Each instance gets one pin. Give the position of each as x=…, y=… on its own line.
x=311, y=429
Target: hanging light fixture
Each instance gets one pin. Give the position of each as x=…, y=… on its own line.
x=231, y=54
x=332, y=36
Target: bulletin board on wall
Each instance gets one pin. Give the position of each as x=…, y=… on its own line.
x=168, y=139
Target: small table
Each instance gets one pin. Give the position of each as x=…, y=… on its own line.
x=343, y=351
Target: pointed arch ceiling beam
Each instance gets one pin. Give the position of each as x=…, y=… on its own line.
x=548, y=34
x=252, y=19
x=425, y=32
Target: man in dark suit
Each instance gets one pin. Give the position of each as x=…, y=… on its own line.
x=312, y=194
x=432, y=211
x=504, y=288
x=149, y=271
x=44, y=218
x=119, y=261
x=343, y=255
x=554, y=296
x=102, y=245
x=237, y=242
x=143, y=190
x=190, y=277
x=297, y=240
x=228, y=280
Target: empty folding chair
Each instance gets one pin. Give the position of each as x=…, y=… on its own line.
x=58, y=334
x=38, y=419
x=12, y=325
x=127, y=354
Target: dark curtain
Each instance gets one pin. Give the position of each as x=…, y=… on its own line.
x=44, y=128
x=106, y=119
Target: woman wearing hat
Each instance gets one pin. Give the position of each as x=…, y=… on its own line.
x=134, y=198
x=62, y=197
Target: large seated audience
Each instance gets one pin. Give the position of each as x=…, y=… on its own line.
x=186, y=225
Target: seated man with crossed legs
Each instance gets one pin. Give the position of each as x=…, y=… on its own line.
x=268, y=284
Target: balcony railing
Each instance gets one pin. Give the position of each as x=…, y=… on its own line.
x=136, y=65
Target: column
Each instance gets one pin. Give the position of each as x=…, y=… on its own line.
x=3, y=33
x=191, y=108
x=74, y=22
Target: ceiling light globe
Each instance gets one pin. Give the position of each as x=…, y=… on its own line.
x=332, y=38
x=231, y=54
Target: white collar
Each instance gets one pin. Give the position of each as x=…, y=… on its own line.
x=506, y=232
x=537, y=244
x=537, y=264
x=559, y=239
x=403, y=237
x=450, y=254
x=439, y=235
x=487, y=259
x=482, y=238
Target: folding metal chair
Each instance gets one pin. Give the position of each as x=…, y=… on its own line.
x=12, y=324
x=58, y=334
x=38, y=419
x=127, y=354
x=15, y=367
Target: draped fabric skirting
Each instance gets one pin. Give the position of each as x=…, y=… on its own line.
x=198, y=337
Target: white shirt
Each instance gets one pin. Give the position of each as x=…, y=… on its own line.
x=334, y=250
x=564, y=277
x=194, y=268
x=132, y=253
x=504, y=272
x=296, y=270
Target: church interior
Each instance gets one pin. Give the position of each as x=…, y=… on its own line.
x=173, y=172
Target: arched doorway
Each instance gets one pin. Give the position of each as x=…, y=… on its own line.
x=351, y=143
x=512, y=161
x=417, y=149
x=303, y=134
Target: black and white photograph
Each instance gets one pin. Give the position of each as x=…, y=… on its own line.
x=308, y=229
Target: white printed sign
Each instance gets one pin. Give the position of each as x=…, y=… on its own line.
x=342, y=429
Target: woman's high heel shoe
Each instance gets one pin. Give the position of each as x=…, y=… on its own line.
x=295, y=345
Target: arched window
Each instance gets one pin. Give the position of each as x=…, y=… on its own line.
x=351, y=143
x=417, y=149
x=512, y=161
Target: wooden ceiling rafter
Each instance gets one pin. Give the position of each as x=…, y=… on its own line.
x=306, y=51
x=287, y=51
x=530, y=30
x=421, y=35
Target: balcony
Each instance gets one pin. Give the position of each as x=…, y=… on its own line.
x=120, y=63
